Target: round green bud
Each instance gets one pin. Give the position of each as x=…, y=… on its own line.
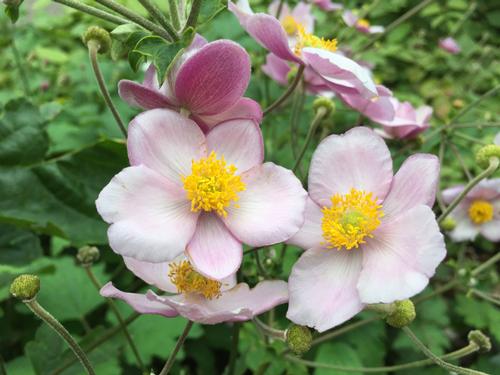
x=298, y=339
x=481, y=340
x=88, y=255
x=403, y=314
x=25, y=287
x=448, y=224
x=99, y=35
x=324, y=102
x=485, y=153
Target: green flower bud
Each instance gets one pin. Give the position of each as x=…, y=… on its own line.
x=99, y=35
x=448, y=224
x=25, y=287
x=324, y=102
x=485, y=153
x=298, y=339
x=88, y=255
x=481, y=340
x=402, y=315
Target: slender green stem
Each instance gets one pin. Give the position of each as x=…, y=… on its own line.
x=494, y=162
x=147, y=24
x=442, y=289
x=178, y=345
x=455, y=151
x=3, y=371
x=467, y=350
x=93, y=47
x=490, y=262
x=320, y=114
x=20, y=67
x=43, y=314
x=340, y=331
x=231, y=367
x=96, y=12
x=486, y=296
x=469, y=138
x=269, y=331
x=288, y=91
x=478, y=126
x=260, y=267
x=297, y=107
x=410, y=13
x=253, y=249
x=280, y=8
x=437, y=360
x=474, y=104
x=174, y=14
x=158, y=15
x=118, y=315
x=193, y=14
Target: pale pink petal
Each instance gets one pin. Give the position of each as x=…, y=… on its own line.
x=271, y=209
x=402, y=256
x=376, y=29
x=150, y=217
x=214, y=78
x=152, y=273
x=451, y=193
x=237, y=304
x=377, y=109
x=245, y=108
x=414, y=184
x=310, y=234
x=491, y=230
x=214, y=251
x=139, y=302
x=276, y=68
x=328, y=5
x=274, y=6
x=302, y=14
x=449, y=45
x=349, y=18
x=357, y=159
x=465, y=229
x=166, y=142
x=239, y=142
x=322, y=287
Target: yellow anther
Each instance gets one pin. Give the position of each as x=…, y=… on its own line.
x=305, y=39
x=187, y=280
x=290, y=25
x=481, y=212
x=363, y=22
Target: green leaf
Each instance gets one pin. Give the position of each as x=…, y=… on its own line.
x=17, y=246
x=479, y=314
x=209, y=9
x=12, y=9
x=338, y=354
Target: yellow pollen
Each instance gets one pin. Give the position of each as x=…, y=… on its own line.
x=187, y=280
x=363, y=22
x=350, y=219
x=290, y=25
x=481, y=212
x=305, y=39
x=212, y=185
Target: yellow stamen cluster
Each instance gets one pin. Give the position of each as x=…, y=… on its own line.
x=481, y=212
x=212, y=185
x=187, y=280
x=305, y=39
x=350, y=219
x=290, y=25
x=363, y=22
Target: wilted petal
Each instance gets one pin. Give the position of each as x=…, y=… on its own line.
x=322, y=287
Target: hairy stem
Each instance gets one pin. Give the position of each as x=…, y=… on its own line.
x=178, y=345
x=193, y=14
x=174, y=14
x=96, y=12
x=269, y=331
x=157, y=14
x=287, y=93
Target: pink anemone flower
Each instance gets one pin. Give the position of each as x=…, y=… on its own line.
x=196, y=297
x=478, y=213
x=203, y=194
x=292, y=41
x=360, y=24
x=408, y=122
x=376, y=109
x=449, y=45
x=207, y=81
x=327, y=5
x=371, y=237
x=279, y=70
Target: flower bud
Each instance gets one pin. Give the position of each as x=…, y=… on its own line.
x=472, y=282
x=298, y=339
x=324, y=102
x=99, y=35
x=25, y=287
x=448, y=224
x=87, y=255
x=485, y=153
x=480, y=339
x=402, y=315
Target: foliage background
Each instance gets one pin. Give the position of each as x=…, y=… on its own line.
x=59, y=146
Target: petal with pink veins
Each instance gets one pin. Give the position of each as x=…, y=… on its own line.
x=357, y=159
x=402, y=256
x=138, y=95
x=150, y=217
x=271, y=209
x=322, y=287
x=245, y=108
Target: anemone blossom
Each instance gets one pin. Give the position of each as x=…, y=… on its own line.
x=360, y=24
x=449, y=45
x=407, y=122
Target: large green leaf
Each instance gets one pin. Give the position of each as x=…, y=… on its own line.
x=338, y=354
x=18, y=246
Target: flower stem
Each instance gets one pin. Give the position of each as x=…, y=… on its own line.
x=288, y=91
x=193, y=14
x=437, y=360
x=157, y=14
x=93, y=47
x=147, y=24
x=19, y=64
x=320, y=114
x=485, y=296
x=96, y=12
x=494, y=162
x=178, y=345
x=43, y=314
x=174, y=14
x=119, y=316
x=475, y=103
x=455, y=151
x=269, y=331
x=490, y=262
x=231, y=367
x=469, y=138
x=342, y=330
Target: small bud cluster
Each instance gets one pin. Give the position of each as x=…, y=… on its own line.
x=485, y=153
x=324, y=102
x=402, y=315
x=88, y=255
x=481, y=340
x=299, y=339
x=99, y=35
